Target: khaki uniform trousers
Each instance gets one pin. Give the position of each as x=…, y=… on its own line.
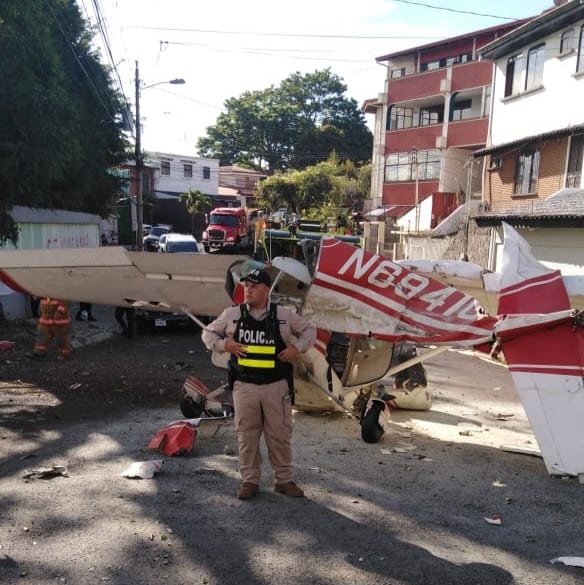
x=263, y=409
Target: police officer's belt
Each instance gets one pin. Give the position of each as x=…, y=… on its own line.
x=258, y=380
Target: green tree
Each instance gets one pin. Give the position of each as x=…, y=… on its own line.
x=317, y=190
x=329, y=121
x=293, y=125
x=59, y=114
x=196, y=202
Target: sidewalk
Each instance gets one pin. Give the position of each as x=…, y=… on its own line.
x=86, y=332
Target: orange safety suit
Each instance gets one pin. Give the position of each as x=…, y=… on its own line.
x=53, y=322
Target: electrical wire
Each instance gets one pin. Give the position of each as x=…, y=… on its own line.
x=455, y=10
x=69, y=44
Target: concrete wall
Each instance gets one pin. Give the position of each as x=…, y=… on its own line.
x=46, y=229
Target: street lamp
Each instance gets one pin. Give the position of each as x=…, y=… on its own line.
x=138, y=153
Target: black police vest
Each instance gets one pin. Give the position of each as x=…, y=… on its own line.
x=263, y=343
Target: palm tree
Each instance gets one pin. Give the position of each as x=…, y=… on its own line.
x=196, y=203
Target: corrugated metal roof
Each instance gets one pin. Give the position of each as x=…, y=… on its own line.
x=388, y=211
x=565, y=207
x=455, y=220
x=22, y=214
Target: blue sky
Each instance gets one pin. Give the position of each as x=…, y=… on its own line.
x=227, y=47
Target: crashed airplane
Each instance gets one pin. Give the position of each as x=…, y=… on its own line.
x=366, y=308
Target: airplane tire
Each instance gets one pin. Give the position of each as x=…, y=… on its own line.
x=189, y=408
x=371, y=430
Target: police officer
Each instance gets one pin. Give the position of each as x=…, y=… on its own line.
x=263, y=339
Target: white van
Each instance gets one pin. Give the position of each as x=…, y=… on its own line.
x=181, y=243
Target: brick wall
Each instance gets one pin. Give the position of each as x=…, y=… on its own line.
x=498, y=187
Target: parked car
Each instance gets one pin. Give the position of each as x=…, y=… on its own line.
x=173, y=243
x=150, y=242
x=153, y=320
x=168, y=243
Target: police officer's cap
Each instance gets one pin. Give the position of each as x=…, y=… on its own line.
x=258, y=277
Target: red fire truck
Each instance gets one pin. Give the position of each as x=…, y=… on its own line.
x=227, y=229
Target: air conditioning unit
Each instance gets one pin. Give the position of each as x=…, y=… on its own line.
x=445, y=85
x=496, y=163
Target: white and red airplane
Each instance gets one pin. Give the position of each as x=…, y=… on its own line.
x=365, y=307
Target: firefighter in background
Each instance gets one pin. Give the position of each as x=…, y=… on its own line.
x=53, y=322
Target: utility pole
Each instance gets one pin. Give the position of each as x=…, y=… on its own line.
x=414, y=161
x=138, y=155
x=138, y=161
x=464, y=255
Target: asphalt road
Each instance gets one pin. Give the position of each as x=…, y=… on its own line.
x=412, y=509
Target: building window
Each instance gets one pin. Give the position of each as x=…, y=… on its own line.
x=398, y=167
x=567, y=41
x=574, y=173
x=513, y=75
x=165, y=167
x=401, y=118
x=580, y=62
x=397, y=73
x=446, y=62
x=431, y=65
x=428, y=165
x=431, y=115
x=534, y=73
x=146, y=187
x=187, y=170
x=461, y=110
x=207, y=173
x=526, y=171
x=402, y=166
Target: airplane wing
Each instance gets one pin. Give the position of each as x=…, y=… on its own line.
x=114, y=276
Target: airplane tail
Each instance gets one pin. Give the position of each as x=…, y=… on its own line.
x=543, y=344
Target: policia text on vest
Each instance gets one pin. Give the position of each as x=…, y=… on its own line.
x=263, y=342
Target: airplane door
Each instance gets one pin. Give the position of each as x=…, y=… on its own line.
x=368, y=361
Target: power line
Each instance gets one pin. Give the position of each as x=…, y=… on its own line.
x=270, y=34
x=74, y=53
x=434, y=7
x=274, y=53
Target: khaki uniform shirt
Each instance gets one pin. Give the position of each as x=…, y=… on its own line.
x=295, y=329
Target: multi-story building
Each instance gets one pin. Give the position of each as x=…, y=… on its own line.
x=535, y=150
x=431, y=117
x=177, y=174
x=240, y=182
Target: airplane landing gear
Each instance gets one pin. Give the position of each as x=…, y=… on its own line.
x=373, y=420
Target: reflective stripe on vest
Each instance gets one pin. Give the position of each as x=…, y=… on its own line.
x=263, y=342
x=253, y=358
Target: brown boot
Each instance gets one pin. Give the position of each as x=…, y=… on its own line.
x=290, y=489
x=248, y=490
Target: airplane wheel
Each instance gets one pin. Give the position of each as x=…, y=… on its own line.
x=371, y=430
x=190, y=408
